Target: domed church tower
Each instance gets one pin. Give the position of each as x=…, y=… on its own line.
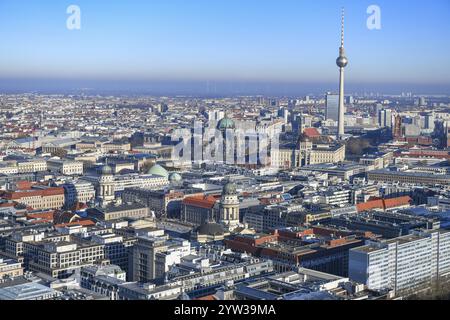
x=229, y=207
x=106, y=187
x=229, y=147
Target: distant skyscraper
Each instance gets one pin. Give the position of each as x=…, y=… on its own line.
x=385, y=118
x=398, y=133
x=428, y=121
x=216, y=115
x=422, y=102
x=332, y=107
x=447, y=130
x=350, y=100
x=341, y=62
x=283, y=113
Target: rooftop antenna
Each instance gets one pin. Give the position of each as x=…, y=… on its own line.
x=342, y=27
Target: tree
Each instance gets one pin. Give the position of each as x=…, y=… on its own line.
x=357, y=146
x=147, y=165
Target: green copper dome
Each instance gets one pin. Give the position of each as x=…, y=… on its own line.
x=157, y=170
x=175, y=177
x=230, y=189
x=226, y=123
x=106, y=170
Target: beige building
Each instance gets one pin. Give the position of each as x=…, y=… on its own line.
x=377, y=162
x=62, y=259
x=31, y=166
x=89, y=145
x=311, y=217
x=45, y=198
x=59, y=145
x=118, y=212
x=68, y=168
x=115, y=146
x=10, y=268
x=307, y=154
x=8, y=169
x=327, y=154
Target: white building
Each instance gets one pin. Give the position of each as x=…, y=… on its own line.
x=107, y=185
x=139, y=181
x=336, y=197
x=332, y=107
x=177, y=249
x=30, y=166
x=402, y=263
x=65, y=167
x=8, y=170
x=103, y=280
x=385, y=118
x=78, y=191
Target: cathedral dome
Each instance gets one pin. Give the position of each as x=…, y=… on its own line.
x=157, y=170
x=106, y=170
x=230, y=189
x=175, y=177
x=226, y=123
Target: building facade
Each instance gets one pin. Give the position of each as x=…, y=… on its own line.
x=416, y=260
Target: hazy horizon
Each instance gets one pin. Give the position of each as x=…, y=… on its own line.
x=207, y=88
x=224, y=47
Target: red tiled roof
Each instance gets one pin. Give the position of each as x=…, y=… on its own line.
x=206, y=202
x=41, y=221
x=311, y=132
x=16, y=195
x=84, y=223
x=42, y=215
x=79, y=206
x=206, y=298
x=384, y=203
x=397, y=202
x=24, y=185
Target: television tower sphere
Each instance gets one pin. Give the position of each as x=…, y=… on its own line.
x=342, y=61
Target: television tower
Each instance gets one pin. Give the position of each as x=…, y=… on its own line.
x=341, y=62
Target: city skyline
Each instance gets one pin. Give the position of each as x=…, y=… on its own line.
x=219, y=49
x=220, y=158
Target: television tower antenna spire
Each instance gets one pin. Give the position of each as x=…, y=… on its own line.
x=342, y=27
x=341, y=62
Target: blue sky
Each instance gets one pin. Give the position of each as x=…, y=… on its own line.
x=245, y=41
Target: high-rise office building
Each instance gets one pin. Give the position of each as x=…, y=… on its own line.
x=385, y=118
x=332, y=107
x=402, y=263
x=429, y=121
x=398, y=129
x=284, y=114
x=350, y=100
x=422, y=102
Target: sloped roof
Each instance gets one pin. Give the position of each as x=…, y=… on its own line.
x=211, y=229
x=26, y=291
x=384, y=203
x=83, y=223
x=311, y=132
x=157, y=170
x=206, y=202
